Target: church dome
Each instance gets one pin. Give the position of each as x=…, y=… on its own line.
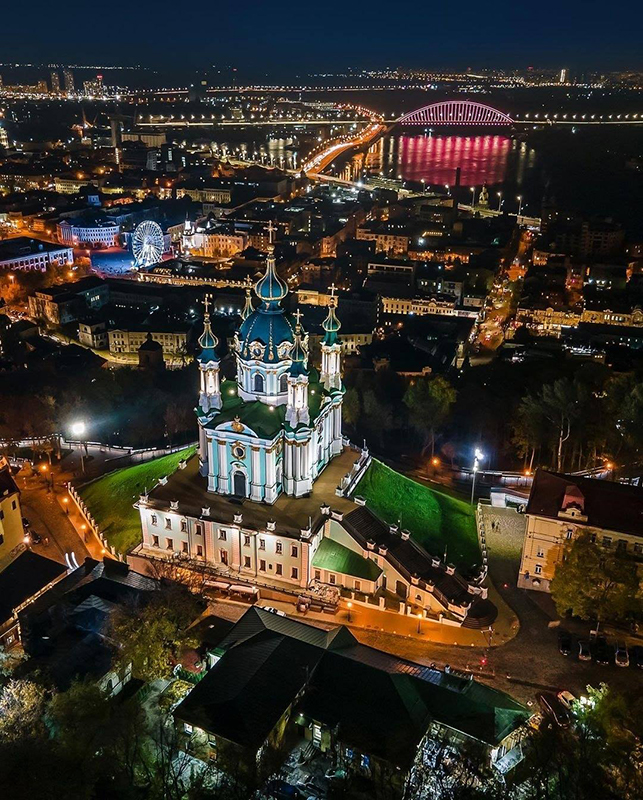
x=266, y=335
x=331, y=325
x=207, y=342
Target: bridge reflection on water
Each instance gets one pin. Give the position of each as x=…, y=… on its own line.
x=492, y=159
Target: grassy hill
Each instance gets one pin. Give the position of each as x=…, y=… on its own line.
x=110, y=499
x=436, y=520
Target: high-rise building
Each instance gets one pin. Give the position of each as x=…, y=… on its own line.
x=564, y=75
x=68, y=77
x=55, y=82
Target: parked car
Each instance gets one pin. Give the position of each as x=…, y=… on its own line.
x=35, y=537
x=621, y=655
x=584, y=653
x=603, y=653
x=567, y=699
x=564, y=642
x=553, y=708
x=274, y=611
x=637, y=656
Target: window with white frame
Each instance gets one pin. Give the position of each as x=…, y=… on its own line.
x=223, y=536
x=279, y=548
x=294, y=573
x=538, y=570
x=294, y=551
x=168, y=524
x=262, y=544
x=246, y=540
x=279, y=569
x=154, y=519
x=262, y=565
x=332, y=579
x=169, y=544
x=155, y=541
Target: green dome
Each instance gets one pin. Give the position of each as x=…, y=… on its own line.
x=331, y=325
x=207, y=342
x=269, y=327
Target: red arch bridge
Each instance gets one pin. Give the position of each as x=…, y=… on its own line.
x=457, y=112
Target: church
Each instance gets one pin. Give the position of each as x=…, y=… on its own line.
x=274, y=428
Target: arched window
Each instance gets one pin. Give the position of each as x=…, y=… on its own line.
x=283, y=383
x=258, y=383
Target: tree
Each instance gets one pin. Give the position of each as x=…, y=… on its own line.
x=22, y=706
x=351, y=406
x=429, y=401
x=150, y=633
x=595, y=583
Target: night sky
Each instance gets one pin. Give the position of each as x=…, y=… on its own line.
x=283, y=39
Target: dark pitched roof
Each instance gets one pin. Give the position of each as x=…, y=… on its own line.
x=378, y=702
x=8, y=485
x=609, y=505
x=23, y=578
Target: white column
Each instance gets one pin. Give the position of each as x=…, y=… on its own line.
x=223, y=486
x=256, y=489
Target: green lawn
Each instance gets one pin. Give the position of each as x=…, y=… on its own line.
x=110, y=499
x=436, y=520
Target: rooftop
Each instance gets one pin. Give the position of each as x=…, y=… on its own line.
x=607, y=505
x=23, y=578
x=333, y=556
x=25, y=246
x=292, y=514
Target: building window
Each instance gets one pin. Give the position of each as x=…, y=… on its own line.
x=569, y=533
x=155, y=541
x=262, y=544
x=169, y=544
x=294, y=573
x=246, y=562
x=168, y=524
x=538, y=570
x=358, y=588
x=154, y=519
x=199, y=550
x=246, y=540
x=258, y=383
x=184, y=547
x=317, y=575
x=198, y=528
x=540, y=553
x=222, y=536
x=638, y=548
x=187, y=728
x=294, y=551
x=621, y=545
x=184, y=526
x=331, y=579
x=279, y=569
x=223, y=556
x=607, y=541
x=262, y=565
x=279, y=548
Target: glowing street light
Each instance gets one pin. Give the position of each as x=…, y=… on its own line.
x=349, y=605
x=419, y=620
x=78, y=430
x=473, y=197
x=499, y=201
x=478, y=456
x=519, y=199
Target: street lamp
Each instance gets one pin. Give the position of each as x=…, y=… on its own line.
x=349, y=605
x=478, y=456
x=473, y=197
x=419, y=620
x=499, y=201
x=519, y=199
x=78, y=430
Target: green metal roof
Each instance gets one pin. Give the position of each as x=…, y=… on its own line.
x=335, y=557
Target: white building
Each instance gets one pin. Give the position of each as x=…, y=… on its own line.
x=86, y=231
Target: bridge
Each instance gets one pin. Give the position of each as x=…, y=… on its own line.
x=456, y=113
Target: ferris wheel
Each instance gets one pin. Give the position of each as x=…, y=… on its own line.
x=147, y=244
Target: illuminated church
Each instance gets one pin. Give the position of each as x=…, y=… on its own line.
x=276, y=426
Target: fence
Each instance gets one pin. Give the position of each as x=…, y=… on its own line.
x=482, y=538
x=91, y=522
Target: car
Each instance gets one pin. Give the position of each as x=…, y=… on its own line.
x=621, y=655
x=553, y=708
x=567, y=699
x=584, y=653
x=564, y=642
x=637, y=656
x=603, y=653
x=274, y=610
x=25, y=522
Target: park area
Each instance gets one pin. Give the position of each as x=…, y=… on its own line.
x=440, y=522
x=111, y=499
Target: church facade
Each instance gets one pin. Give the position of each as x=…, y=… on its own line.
x=276, y=427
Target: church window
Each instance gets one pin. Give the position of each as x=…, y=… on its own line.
x=239, y=451
x=262, y=565
x=294, y=573
x=279, y=548
x=222, y=535
x=258, y=382
x=246, y=562
x=262, y=544
x=294, y=551
x=246, y=540
x=279, y=569
x=283, y=383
